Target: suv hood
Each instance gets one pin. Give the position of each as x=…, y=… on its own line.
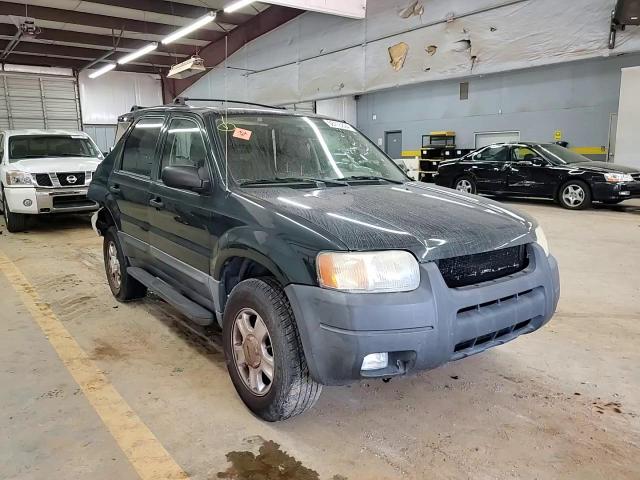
x=56, y=164
x=432, y=222
x=603, y=167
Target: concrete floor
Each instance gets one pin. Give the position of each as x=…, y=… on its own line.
x=561, y=403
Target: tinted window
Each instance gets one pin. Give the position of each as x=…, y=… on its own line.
x=491, y=154
x=140, y=148
x=184, y=145
x=41, y=146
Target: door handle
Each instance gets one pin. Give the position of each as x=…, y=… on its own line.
x=115, y=188
x=156, y=203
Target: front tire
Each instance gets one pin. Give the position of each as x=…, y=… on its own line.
x=264, y=353
x=575, y=195
x=15, y=222
x=465, y=184
x=123, y=286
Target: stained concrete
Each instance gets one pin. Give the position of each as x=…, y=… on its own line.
x=560, y=403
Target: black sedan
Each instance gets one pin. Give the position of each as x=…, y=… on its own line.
x=540, y=170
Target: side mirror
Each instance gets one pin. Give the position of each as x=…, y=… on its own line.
x=185, y=178
x=537, y=161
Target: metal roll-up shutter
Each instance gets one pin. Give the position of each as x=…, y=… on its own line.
x=39, y=101
x=302, y=107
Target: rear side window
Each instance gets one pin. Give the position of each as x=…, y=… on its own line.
x=140, y=148
x=184, y=145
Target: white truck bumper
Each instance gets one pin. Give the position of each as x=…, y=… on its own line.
x=36, y=201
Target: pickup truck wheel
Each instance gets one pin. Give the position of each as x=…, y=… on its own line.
x=15, y=222
x=264, y=353
x=123, y=286
x=575, y=195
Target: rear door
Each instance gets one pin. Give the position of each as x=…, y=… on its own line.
x=488, y=167
x=181, y=220
x=529, y=173
x=130, y=184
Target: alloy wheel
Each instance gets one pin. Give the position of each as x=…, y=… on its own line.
x=464, y=186
x=573, y=195
x=253, y=352
x=113, y=265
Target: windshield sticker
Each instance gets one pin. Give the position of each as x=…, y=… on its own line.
x=242, y=134
x=340, y=125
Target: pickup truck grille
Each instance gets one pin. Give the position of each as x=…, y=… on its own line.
x=62, y=179
x=483, y=267
x=43, y=180
x=71, y=179
x=636, y=176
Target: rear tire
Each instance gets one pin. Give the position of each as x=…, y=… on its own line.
x=15, y=222
x=264, y=353
x=123, y=286
x=465, y=184
x=575, y=195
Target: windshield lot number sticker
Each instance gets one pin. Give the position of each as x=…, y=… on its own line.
x=340, y=125
x=242, y=134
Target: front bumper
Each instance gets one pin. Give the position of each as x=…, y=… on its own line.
x=422, y=329
x=28, y=200
x=603, y=192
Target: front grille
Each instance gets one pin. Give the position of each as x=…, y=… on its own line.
x=72, y=201
x=490, y=337
x=71, y=179
x=43, y=180
x=483, y=267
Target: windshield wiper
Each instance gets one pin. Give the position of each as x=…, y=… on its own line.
x=319, y=182
x=365, y=178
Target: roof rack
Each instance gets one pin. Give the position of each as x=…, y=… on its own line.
x=184, y=100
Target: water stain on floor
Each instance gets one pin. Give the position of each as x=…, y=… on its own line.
x=270, y=463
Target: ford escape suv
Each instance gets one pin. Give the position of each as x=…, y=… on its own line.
x=318, y=258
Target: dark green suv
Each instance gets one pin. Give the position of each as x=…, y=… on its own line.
x=318, y=258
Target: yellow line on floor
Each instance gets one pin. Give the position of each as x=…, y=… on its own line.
x=145, y=452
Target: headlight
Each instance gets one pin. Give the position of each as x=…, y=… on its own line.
x=618, y=177
x=19, y=178
x=368, y=272
x=541, y=239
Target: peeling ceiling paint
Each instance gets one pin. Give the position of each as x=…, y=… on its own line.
x=398, y=54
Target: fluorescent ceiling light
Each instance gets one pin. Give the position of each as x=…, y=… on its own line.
x=103, y=70
x=137, y=53
x=237, y=5
x=202, y=21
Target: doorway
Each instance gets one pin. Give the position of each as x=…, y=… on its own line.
x=393, y=144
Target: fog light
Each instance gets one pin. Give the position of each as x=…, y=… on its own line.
x=375, y=361
x=27, y=203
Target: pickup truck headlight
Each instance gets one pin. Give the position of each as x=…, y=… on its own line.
x=541, y=239
x=368, y=272
x=618, y=177
x=16, y=178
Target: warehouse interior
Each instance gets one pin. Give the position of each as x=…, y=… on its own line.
x=454, y=132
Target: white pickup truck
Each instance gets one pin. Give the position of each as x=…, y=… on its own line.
x=43, y=172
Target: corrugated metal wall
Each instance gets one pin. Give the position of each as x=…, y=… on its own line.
x=103, y=135
x=39, y=101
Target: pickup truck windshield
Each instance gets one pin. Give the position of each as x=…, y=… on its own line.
x=42, y=146
x=271, y=148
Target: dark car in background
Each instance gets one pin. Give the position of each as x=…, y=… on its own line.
x=318, y=258
x=540, y=170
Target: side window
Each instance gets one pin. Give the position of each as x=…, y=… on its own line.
x=523, y=153
x=184, y=145
x=492, y=154
x=140, y=148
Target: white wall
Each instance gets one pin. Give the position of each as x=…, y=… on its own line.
x=105, y=98
x=629, y=118
x=319, y=56
x=343, y=108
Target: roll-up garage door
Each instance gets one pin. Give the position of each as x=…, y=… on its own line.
x=38, y=101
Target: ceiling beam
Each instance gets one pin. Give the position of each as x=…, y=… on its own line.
x=175, y=9
x=214, y=53
x=46, y=49
x=75, y=64
x=99, y=40
x=101, y=21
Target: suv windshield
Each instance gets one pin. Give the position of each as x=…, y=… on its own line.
x=562, y=156
x=41, y=146
x=284, y=149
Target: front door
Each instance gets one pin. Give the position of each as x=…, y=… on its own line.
x=393, y=144
x=530, y=174
x=130, y=183
x=488, y=167
x=181, y=220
